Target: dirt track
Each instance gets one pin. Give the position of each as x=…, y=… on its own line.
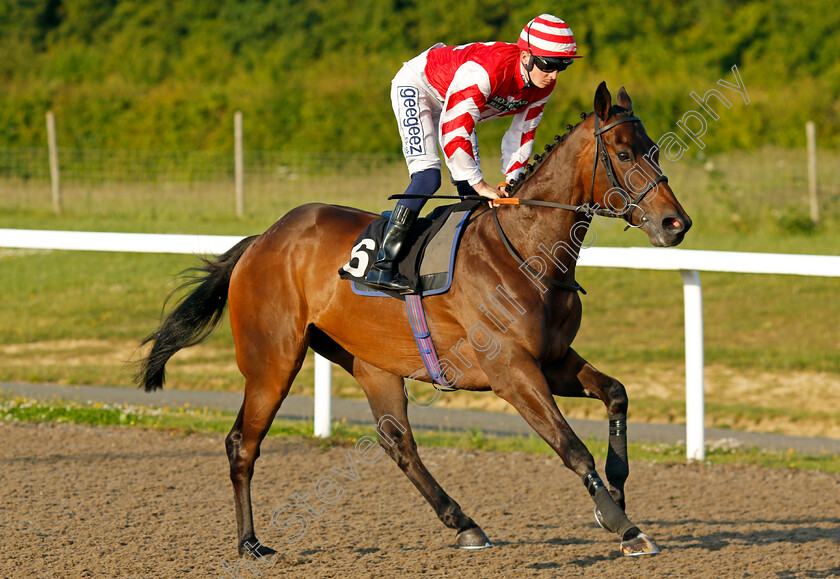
x=106, y=502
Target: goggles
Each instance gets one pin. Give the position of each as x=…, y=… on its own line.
x=549, y=64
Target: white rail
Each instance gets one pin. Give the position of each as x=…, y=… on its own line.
x=687, y=261
x=106, y=241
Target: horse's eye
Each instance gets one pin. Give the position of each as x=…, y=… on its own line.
x=624, y=156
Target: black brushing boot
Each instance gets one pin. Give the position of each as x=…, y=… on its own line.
x=384, y=274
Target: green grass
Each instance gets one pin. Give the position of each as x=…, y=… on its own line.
x=188, y=420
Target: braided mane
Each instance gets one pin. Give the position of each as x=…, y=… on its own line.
x=538, y=159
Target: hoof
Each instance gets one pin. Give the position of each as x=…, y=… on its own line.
x=639, y=545
x=255, y=549
x=473, y=539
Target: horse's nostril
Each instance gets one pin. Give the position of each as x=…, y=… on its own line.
x=672, y=224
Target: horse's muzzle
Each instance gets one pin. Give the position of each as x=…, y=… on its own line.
x=670, y=231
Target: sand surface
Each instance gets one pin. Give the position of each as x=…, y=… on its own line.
x=80, y=501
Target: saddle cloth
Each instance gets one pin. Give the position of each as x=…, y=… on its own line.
x=429, y=251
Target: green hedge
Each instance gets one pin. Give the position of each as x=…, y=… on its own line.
x=314, y=75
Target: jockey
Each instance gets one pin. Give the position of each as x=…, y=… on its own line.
x=438, y=98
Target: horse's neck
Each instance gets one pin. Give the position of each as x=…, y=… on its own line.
x=550, y=233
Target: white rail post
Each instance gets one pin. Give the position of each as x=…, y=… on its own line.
x=695, y=410
x=323, y=394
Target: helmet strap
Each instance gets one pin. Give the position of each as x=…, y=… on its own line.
x=527, y=76
x=530, y=66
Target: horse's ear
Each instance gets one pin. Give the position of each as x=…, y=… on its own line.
x=603, y=101
x=624, y=101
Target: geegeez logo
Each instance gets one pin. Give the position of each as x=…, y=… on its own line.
x=411, y=129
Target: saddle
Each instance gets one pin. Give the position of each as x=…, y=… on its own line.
x=428, y=252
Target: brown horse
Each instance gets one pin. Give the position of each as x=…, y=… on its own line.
x=507, y=328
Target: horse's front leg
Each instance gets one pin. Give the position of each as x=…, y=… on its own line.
x=572, y=376
x=519, y=380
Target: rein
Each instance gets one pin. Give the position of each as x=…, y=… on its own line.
x=576, y=287
x=588, y=209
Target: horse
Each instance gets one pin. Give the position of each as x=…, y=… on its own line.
x=284, y=296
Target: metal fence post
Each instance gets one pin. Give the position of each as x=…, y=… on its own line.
x=695, y=405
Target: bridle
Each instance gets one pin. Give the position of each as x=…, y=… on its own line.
x=591, y=208
x=631, y=203
x=588, y=209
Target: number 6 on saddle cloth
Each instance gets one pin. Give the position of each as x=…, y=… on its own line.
x=428, y=263
x=428, y=257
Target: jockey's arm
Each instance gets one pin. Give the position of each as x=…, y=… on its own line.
x=518, y=141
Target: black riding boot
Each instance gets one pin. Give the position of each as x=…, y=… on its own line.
x=384, y=274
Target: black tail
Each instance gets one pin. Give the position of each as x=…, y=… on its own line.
x=193, y=319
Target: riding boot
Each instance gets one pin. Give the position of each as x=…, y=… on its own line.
x=383, y=274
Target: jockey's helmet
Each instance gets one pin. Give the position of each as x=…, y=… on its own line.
x=550, y=43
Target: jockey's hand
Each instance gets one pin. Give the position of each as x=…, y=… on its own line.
x=485, y=190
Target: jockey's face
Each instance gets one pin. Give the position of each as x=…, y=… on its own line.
x=539, y=78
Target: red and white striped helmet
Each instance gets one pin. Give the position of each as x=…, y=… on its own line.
x=548, y=36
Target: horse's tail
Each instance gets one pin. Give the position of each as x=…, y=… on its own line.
x=194, y=318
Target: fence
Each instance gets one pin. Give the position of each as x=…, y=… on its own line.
x=745, y=186
x=183, y=188
x=688, y=262
x=190, y=178
x=98, y=166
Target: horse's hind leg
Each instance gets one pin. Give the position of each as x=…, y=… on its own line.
x=386, y=395
x=572, y=376
x=269, y=373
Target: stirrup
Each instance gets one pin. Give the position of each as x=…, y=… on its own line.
x=397, y=283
